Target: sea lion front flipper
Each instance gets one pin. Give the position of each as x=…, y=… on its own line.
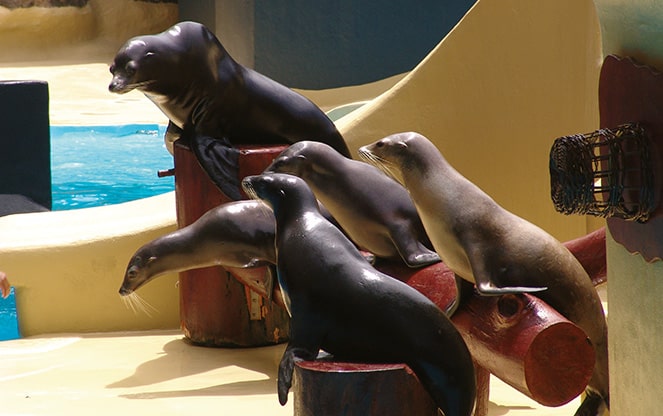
x=173, y=133
x=221, y=162
x=291, y=355
x=413, y=252
x=485, y=273
x=464, y=290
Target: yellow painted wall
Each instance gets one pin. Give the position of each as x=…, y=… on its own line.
x=92, y=32
x=494, y=94
x=634, y=28
x=67, y=267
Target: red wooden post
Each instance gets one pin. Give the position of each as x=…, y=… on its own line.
x=483, y=390
x=215, y=308
x=351, y=389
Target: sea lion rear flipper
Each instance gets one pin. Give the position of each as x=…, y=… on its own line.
x=592, y=405
x=221, y=162
x=291, y=355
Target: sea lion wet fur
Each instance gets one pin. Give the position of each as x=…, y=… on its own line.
x=339, y=303
x=374, y=210
x=486, y=244
x=213, y=102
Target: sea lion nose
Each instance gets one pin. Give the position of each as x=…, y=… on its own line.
x=117, y=85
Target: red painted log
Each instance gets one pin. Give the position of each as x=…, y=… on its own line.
x=337, y=388
x=590, y=252
x=215, y=308
x=518, y=338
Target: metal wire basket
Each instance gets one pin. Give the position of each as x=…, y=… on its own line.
x=607, y=173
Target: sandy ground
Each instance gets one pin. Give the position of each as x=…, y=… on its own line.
x=158, y=373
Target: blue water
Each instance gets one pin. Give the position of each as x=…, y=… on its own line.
x=102, y=165
x=8, y=320
x=95, y=166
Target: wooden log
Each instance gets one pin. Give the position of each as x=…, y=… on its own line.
x=215, y=307
x=590, y=252
x=518, y=338
x=326, y=387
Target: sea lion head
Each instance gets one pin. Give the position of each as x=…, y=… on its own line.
x=166, y=62
x=392, y=154
x=277, y=189
x=138, y=272
x=305, y=158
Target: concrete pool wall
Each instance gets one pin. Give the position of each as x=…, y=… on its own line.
x=493, y=95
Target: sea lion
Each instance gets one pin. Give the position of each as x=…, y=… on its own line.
x=339, y=303
x=374, y=210
x=237, y=234
x=213, y=102
x=484, y=243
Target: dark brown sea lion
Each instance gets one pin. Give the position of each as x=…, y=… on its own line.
x=215, y=103
x=374, y=210
x=488, y=245
x=339, y=303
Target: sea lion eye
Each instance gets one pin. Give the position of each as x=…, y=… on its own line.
x=379, y=144
x=130, y=68
x=132, y=272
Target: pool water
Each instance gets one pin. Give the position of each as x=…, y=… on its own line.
x=8, y=319
x=102, y=165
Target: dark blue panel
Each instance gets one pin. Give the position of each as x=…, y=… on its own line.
x=325, y=44
x=25, y=150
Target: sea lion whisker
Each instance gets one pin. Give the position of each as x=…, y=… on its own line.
x=128, y=304
x=141, y=84
x=388, y=167
x=137, y=303
x=250, y=191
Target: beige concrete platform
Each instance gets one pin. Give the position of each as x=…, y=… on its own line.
x=159, y=373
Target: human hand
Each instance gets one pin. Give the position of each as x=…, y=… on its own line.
x=4, y=285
